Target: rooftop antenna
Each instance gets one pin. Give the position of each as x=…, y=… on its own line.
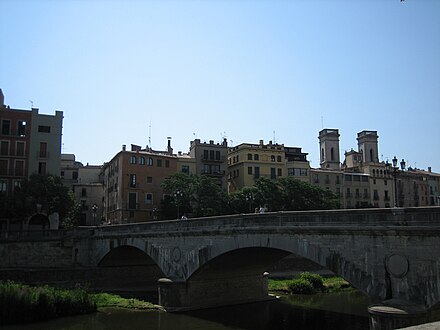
x=32, y=103
x=149, y=134
x=274, y=141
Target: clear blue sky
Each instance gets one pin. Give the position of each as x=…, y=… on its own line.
x=240, y=69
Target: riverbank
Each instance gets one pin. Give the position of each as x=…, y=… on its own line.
x=331, y=284
x=20, y=303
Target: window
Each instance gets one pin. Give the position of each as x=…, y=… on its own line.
x=19, y=168
x=132, y=201
x=43, y=149
x=20, y=149
x=256, y=157
x=273, y=173
x=148, y=198
x=250, y=170
x=315, y=178
x=159, y=163
x=133, y=180
x=206, y=169
x=6, y=127
x=141, y=160
x=62, y=174
x=249, y=156
x=74, y=175
x=280, y=172
x=217, y=155
x=357, y=178
x=83, y=192
x=205, y=154
x=44, y=129
x=149, y=179
x=272, y=158
x=42, y=168
x=3, y=167
x=348, y=177
x=337, y=179
x=17, y=183
x=133, y=160
x=256, y=172
x=4, y=186
x=303, y=172
x=211, y=154
x=185, y=169
x=21, y=131
x=167, y=163
x=4, y=149
x=150, y=161
x=332, y=154
x=279, y=159
x=385, y=182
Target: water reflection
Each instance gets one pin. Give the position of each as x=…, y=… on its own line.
x=331, y=311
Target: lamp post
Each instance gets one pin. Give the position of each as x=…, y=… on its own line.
x=395, y=169
x=94, y=209
x=177, y=197
x=250, y=199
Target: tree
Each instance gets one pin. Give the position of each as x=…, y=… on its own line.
x=45, y=193
x=192, y=194
x=299, y=195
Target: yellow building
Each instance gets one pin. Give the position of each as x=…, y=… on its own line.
x=248, y=162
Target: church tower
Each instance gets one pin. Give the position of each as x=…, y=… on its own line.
x=329, y=149
x=367, y=146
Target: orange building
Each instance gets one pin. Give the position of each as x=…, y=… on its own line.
x=132, y=183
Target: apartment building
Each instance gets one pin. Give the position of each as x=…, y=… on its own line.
x=297, y=165
x=132, y=182
x=248, y=162
x=30, y=143
x=211, y=160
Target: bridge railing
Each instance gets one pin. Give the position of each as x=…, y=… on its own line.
x=415, y=217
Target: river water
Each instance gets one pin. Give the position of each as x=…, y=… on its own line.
x=336, y=311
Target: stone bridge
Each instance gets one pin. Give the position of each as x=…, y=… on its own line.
x=391, y=255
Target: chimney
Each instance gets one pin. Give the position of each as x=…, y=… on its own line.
x=2, y=99
x=261, y=142
x=124, y=147
x=429, y=169
x=169, y=149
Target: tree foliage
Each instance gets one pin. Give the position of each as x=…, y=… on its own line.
x=42, y=193
x=201, y=196
x=192, y=194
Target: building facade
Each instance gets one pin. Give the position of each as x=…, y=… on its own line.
x=30, y=143
x=211, y=159
x=133, y=179
x=247, y=162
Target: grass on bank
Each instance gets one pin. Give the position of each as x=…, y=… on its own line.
x=309, y=283
x=21, y=303
x=112, y=300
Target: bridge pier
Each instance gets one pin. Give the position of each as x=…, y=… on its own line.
x=395, y=314
x=177, y=296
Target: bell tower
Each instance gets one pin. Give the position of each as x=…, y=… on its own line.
x=329, y=149
x=367, y=146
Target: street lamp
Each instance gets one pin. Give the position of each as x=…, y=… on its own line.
x=250, y=198
x=94, y=209
x=395, y=169
x=177, y=197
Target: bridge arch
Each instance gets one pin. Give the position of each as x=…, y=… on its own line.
x=127, y=267
x=255, y=254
